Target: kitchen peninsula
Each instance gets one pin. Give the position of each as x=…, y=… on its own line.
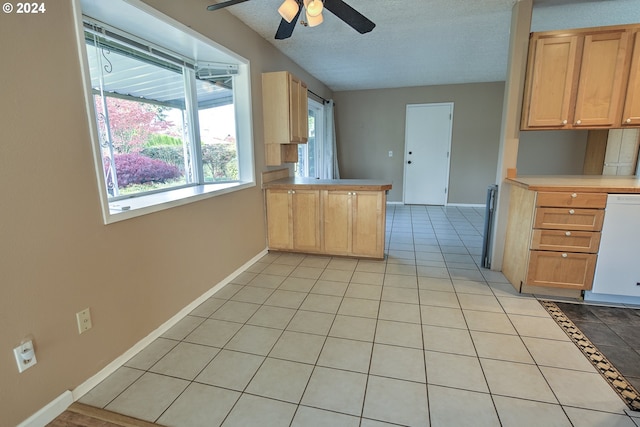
x=555, y=228
x=344, y=217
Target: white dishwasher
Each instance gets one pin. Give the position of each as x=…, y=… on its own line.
x=617, y=276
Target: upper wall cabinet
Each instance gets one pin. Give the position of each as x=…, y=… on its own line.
x=285, y=110
x=577, y=79
x=631, y=113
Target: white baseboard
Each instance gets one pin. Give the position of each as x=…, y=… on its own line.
x=468, y=205
x=461, y=205
x=47, y=414
x=58, y=406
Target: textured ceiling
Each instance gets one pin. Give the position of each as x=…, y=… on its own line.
x=421, y=42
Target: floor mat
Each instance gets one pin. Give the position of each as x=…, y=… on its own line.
x=620, y=385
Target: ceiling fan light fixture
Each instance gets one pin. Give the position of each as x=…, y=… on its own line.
x=288, y=10
x=313, y=21
x=314, y=8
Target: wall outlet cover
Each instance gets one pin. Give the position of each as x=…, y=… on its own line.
x=25, y=356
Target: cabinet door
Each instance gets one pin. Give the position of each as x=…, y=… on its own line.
x=279, y=219
x=306, y=219
x=602, y=76
x=298, y=110
x=631, y=114
x=561, y=269
x=337, y=222
x=550, y=76
x=368, y=221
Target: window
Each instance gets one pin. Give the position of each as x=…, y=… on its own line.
x=172, y=121
x=310, y=154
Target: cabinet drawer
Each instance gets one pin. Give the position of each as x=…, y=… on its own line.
x=571, y=199
x=561, y=240
x=561, y=269
x=569, y=219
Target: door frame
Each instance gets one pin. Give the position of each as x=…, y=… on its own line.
x=449, y=142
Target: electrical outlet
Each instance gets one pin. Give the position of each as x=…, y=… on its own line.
x=84, y=320
x=25, y=356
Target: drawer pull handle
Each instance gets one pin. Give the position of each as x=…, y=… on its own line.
x=571, y=211
x=574, y=195
x=568, y=233
x=564, y=255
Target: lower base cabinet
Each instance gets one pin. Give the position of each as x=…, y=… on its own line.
x=552, y=239
x=292, y=218
x=354, y=223
x=331, y=222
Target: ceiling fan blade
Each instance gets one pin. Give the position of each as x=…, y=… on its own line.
x=224, y=4
x=352, y=17
x=285, y=29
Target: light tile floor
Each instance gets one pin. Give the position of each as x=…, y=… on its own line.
x=425, y=337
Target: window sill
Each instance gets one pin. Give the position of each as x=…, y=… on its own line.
x=143, y=205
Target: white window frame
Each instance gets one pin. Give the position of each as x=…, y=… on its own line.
x=137, y=18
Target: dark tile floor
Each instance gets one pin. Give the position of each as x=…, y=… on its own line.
x=615, y=331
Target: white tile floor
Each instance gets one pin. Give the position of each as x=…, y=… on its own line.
x=425, y=337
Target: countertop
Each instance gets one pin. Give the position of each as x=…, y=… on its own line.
x=329, y=184
x=584, y=183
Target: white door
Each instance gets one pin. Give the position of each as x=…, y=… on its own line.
x=426, y=157
x=621, y=153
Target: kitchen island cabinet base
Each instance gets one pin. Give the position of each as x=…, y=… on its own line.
x=337, y=218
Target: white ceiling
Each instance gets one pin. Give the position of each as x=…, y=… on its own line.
x=421, y=42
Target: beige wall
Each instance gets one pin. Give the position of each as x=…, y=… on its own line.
x=371, y=123
x=56, y=256
x=550, y=152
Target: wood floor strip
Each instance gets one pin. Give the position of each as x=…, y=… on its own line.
x=81, y=415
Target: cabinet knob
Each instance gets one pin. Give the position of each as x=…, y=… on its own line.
x=568, y=233
x=574, y=195
x=293, y=191
x=628, y=120
x=571, y=211
x=564, y=255
x=564, y=122
x=578, y=122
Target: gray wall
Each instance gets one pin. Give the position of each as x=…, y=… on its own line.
x=548, y=152
x=371, y=123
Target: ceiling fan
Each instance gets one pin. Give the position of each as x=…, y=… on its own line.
x=290, y=10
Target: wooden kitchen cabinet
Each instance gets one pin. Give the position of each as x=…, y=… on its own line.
x=292, y=219
x=344, y=217
x=354, y=223
x=550, y=73
x=552, y=239
x=577, y=78
x=631, y=113
x=285, y=111
x=561, y=269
